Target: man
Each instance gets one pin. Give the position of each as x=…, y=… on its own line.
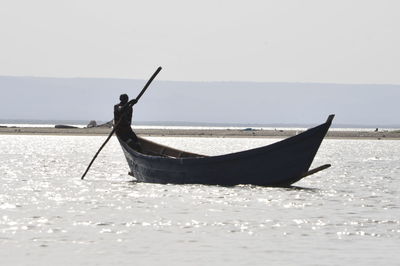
x=123, y=119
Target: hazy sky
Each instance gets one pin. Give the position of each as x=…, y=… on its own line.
x=340, y=41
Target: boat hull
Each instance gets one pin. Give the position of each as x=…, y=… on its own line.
x=278, y=164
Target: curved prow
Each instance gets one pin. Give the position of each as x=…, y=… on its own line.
x=330, y=118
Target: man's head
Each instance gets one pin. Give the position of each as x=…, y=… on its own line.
x=123, y=98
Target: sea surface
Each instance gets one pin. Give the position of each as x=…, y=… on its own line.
x=348, y=214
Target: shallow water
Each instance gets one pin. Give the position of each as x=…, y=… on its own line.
x=347, y=214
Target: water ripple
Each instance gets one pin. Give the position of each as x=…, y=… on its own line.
x=45, y=206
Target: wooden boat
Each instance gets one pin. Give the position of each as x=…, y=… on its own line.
x=279, y=164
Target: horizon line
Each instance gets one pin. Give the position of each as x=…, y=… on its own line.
x=212, y=81
x=181, y=123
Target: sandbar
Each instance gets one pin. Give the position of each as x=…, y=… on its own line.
x=260, y=133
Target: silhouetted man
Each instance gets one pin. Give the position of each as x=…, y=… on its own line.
x=123, y=111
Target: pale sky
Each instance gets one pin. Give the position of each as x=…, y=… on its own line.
x=337, y=41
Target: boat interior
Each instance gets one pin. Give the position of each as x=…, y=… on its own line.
x=151, y=148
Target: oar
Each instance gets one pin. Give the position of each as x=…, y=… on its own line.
x=117, y=124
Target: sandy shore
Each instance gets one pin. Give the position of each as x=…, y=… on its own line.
x=197, y=132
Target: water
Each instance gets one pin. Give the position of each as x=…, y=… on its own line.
x=345, y=215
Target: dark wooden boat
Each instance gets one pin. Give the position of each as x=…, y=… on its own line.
x=279, y=164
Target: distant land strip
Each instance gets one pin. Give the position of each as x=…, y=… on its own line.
x=249, y=132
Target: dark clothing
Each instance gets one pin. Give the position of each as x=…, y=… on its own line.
x=124, y=130
x=126, y=118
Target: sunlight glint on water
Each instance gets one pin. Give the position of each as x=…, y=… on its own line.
x=346, y=214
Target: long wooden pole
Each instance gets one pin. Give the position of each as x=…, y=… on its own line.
x=122, y=116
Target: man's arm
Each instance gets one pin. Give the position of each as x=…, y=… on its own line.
x=132, y=102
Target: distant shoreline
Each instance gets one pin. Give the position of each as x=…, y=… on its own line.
x=144, y=124
x=264, y=133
